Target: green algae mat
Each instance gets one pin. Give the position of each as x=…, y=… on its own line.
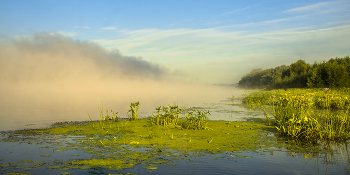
x=124, y=144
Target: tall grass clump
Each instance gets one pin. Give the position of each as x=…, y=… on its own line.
x=166, y=115
x=103, y=118
x=134, y=111
x=257, y=98
x=297, y=117
x=331, y=101
x=296, y=123
x=196, y=120
x=335, y=126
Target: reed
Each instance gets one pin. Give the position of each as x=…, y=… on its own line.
x=134, y=111
x=109, y=116
x=326, y=98
x=300, y=114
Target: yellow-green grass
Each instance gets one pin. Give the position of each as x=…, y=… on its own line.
x=319, y=98
x=297, y=113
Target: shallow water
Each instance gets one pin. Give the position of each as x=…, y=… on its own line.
x=269, y=161
x=275, y=160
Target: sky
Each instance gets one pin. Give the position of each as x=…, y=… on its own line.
x=212, y=42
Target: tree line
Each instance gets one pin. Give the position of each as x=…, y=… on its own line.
x=333, y=73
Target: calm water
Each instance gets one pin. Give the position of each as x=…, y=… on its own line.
x=280, y=160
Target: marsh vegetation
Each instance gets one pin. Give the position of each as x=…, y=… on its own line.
x=311, y=115
x=308, y=124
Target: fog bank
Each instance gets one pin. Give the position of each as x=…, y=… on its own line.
x=48, y=77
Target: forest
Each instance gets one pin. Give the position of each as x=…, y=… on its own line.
x=327, y=74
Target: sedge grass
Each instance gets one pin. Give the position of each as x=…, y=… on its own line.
x=306, y=114
x=334, y=99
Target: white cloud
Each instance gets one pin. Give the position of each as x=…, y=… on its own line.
x=108, y=28
x=321, y=5
x=216, y=54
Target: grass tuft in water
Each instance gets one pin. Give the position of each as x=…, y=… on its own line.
x=134, y=110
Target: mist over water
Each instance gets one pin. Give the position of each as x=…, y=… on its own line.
x=48, y=78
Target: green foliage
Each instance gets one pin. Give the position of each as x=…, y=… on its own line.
x=315, y=77
x=196, y=120
x=295, y=122
x=257, y=98
x=169, y=116
x=166, y=115
x=134, y=110
x=334, y=73
x=298, y=68
x=259, y=78
x=296, y=114
x=331, y=99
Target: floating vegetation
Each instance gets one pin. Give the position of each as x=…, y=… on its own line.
x=46, y=155
x=37, y=165
x=66, y=173
x=141, y=142
x=26, y=160
x=151, y=166
x=61, y=149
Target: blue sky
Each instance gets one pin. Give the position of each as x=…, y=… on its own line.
x=207, y=41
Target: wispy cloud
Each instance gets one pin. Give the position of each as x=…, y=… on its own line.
x=237, y=10
x=212, y=50
x=311, y=7
x=108, y=28
x=83, y=27
x=241, y=9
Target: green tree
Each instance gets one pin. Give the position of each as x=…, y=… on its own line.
x=315, y=78
x=337, y=74
x=298, y=68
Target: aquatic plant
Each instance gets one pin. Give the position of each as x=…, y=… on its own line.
x=296, y=123
x=134, y=110
x=331, y=101
x=103, y=118
x=196, y=120
x=257, y=98
x=299, y=113
x=169, y=116
x=311, y=98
